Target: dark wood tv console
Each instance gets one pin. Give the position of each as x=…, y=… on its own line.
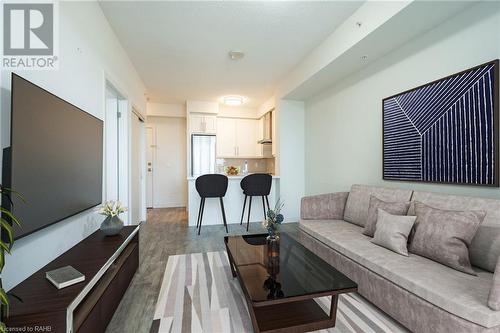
x=108, y=263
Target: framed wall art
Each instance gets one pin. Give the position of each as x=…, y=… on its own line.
x=446, y=131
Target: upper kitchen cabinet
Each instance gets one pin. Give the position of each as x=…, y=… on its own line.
x=202, y=117
x=246, y=137
x=210, y=124
x=237, y=138
x=273, y=133
x=203, y=124
x=226, y=137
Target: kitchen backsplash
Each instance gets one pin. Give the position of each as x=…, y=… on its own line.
x=265, y=165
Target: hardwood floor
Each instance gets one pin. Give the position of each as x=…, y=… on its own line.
x=166, y=233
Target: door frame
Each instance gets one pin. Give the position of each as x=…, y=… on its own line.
x=153, y=162
x=122, y=144
x=142, y=163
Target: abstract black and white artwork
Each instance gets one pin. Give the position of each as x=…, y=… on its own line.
x=445, y=131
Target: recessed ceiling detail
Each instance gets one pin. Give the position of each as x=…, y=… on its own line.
x=180, y=48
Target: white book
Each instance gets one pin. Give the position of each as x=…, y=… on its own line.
x=64, y=277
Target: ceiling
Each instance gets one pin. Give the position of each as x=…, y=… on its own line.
x=180, y=49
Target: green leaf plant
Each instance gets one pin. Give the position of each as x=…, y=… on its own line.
x=7, y=219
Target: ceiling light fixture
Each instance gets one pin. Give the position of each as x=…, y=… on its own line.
x=233, y=100
x=364, y=57
x=236, y=55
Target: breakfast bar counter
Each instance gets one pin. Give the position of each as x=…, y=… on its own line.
x=233, y=203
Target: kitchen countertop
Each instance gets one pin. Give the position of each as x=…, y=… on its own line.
x=238, y=177
x=233, y=203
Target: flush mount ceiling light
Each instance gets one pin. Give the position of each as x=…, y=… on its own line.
x=233, y=100
x=236, y=55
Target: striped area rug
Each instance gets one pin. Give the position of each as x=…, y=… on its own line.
x=199, y=294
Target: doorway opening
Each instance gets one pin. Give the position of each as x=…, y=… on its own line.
x=166, y=162
x=116, y=148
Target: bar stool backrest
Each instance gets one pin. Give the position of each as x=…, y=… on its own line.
x=257, y=184
x=211, y=185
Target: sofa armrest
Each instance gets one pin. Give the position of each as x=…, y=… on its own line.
x=324, y=206
x=494, y=296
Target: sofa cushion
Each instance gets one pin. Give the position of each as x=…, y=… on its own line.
x=494, y=296
x=395, y=208
x=328, y=206
x=445, y=235
x=485, y=248
x=393, y=231
x=358, y=201
x=462, y=294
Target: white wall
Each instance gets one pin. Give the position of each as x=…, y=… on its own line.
x=166, y=110
x=372, y=14
x=269, y=104
x=291, y=149
x=89, y=54
x=343, y=124
x=169, y=168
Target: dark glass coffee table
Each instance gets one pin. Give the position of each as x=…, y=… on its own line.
x=281, y=282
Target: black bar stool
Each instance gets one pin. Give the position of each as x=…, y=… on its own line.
x=211, y=186
x=256, y=185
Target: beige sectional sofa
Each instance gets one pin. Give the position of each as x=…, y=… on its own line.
x=423, y=295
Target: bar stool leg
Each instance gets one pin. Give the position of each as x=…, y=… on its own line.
x=199, y=213
x=201, y=216
x=249, y=210
x=267, y=200
x=243, y=212
x=223, y=213
x=264, y=207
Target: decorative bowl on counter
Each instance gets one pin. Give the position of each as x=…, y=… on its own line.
x=232, y=170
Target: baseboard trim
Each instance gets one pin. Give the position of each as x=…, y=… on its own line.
x=171, y=205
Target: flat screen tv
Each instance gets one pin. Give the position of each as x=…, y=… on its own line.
x=55, y=159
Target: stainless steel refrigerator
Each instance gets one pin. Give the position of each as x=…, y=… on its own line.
x=202, y=154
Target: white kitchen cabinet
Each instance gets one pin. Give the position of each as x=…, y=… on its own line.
x=237, y=138
x=196, y=123
x=260, y=129
x=210, y=124
x=226, y=137
x=202, y=124
x=246, y=137
x=273, y=133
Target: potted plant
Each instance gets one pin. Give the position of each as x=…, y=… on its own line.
x=112, y=225
x=273, y=221
x=6, y=243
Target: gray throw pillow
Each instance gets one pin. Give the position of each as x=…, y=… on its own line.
x=494, y=296
x=395, y=208
x=393, y=231
x=445, y=235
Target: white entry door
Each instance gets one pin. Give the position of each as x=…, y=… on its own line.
x=150, y=149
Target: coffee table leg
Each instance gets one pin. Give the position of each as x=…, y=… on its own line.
x=231, y=264
x=232, y=268
x=333, y=308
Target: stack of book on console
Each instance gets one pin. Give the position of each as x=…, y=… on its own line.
x=64, y=277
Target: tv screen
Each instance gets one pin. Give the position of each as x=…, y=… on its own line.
x=55, y=157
